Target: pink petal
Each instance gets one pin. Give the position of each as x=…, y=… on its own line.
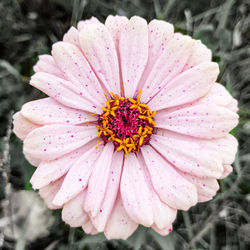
x=98, y=46
x=188, y=154
x=159, y=34
x=48, y=111
x=113, y=184
x=46, y=64
x=77, y=70
x=22, y=126
x=186, y=87
x=52, y=141
x=119, y=225
x=72, y=37
x=227, y=170
x=63, y=91
x=200, y=54
x=98, y=182
x=89, y=228
x=136, y=192
x=226, y=146
x=206, y=187
x=116, y=25
x=216, y=95
x=233, y=105
x=133, y=53
x=48, y=193
x=203, y=121
x=171, y=187
x=164, y=231
x=77, y=178
x=49, y=171
x=33, y=161
x=163, y=214
x=168, y=65
x=73, y=213
x=82, y=24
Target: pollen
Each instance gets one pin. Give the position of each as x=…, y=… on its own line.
x=126, y=122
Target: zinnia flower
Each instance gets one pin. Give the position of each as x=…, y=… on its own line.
x=135, y=126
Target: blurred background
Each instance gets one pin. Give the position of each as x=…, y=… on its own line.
x=29, y=28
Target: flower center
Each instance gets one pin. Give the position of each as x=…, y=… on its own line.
x=127, y=122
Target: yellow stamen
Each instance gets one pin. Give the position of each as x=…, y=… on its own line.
x=133, y=143
x=98, y=144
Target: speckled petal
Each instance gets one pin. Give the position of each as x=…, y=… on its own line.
x=98, y=47
x=48, y=192
x=52, y=141
x=227, y=147
x=72, y=36
x=203, y=121
x=98, y=181
x=136, y=192
x=160, y=34
x=186, y=87
x=216, y=95
x=116, y=25
x=206, y=187
x=73, y=213
x=171, y=187
x=169, y=64
x=164, y=231
x=227, y=170
x=48, y=111
x=77, y=179
x=78, y=71
x=64, y=92
x=47, y=64
x=82, y=24
x=200, y=54
x=49, y=171
x=120, y=225
x=89, y=228
x=188, y=154
x=110, y=196
x=133, y=49
x=22, y=126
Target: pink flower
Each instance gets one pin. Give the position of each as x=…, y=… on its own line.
x=135, y=126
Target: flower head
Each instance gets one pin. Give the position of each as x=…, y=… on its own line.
x=135, y=126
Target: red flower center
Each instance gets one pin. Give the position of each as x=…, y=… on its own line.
x=127, y=122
